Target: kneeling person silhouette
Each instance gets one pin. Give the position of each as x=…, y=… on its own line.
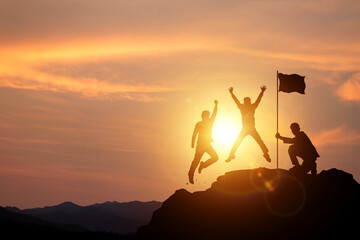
x=203, y=130
x=302, y=147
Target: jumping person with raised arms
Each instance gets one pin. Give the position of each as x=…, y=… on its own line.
x=247, y=110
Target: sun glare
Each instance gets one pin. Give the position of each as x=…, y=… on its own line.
x=225, y=132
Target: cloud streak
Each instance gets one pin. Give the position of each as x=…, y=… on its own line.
x=165, y=28
x=21, y=67
x=350, y=89
x=337, y=136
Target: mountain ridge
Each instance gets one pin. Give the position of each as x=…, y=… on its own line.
x=15, y=225
x=122, y=218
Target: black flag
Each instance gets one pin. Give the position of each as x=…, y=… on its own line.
x=291, y=83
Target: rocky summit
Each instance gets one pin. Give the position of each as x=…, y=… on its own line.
x=262, y=204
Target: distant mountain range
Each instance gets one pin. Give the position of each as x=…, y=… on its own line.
x=22, y=226
x=113, y=217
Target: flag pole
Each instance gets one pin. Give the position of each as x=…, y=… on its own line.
x=277, y=119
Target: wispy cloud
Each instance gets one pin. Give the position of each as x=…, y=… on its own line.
x=337, y=136
x=99, y=30
x=350, y=90
x=20, y=67
x=29, y=79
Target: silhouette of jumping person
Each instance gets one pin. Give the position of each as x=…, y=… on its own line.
x=203, y=130
x=248, y=121
x=302, y=147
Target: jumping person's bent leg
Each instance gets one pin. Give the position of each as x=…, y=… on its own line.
x=213, y=158
x=261, y=143
x=237, y=143
x=198, y=154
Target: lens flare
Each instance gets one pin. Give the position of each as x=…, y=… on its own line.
x=288, y=198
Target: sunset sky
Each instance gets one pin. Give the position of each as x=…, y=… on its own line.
x=99, y=98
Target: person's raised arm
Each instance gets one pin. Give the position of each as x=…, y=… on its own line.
x=213, y=115
x=263, y=88
x=284, y=139
x=196, y=131
x=231, y=90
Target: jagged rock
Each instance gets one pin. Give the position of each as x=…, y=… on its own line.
x=261, y=204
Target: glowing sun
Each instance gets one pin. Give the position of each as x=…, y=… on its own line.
x=225, y=132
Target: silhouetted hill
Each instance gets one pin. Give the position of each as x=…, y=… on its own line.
x=21, y=226
x=6, y=215
x=135, y=209
x=114, y=217
x=262, y=204
x=67, y=207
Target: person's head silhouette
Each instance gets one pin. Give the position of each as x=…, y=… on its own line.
x=205, y=115
x=247, y=101
x=295, y=128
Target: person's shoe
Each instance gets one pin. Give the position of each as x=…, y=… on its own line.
x=267, y=157
x=231, y=157
x=201, y=167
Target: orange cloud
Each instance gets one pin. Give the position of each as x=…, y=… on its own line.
x=36, y=80
x=19, y=67
x=350, y=90
x=337, y=136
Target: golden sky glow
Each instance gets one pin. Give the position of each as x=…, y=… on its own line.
x=99, y=98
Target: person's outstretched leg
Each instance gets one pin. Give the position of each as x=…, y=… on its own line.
x=195, y=163
x=261, y=143
x=237, y=143
x=213, y=158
